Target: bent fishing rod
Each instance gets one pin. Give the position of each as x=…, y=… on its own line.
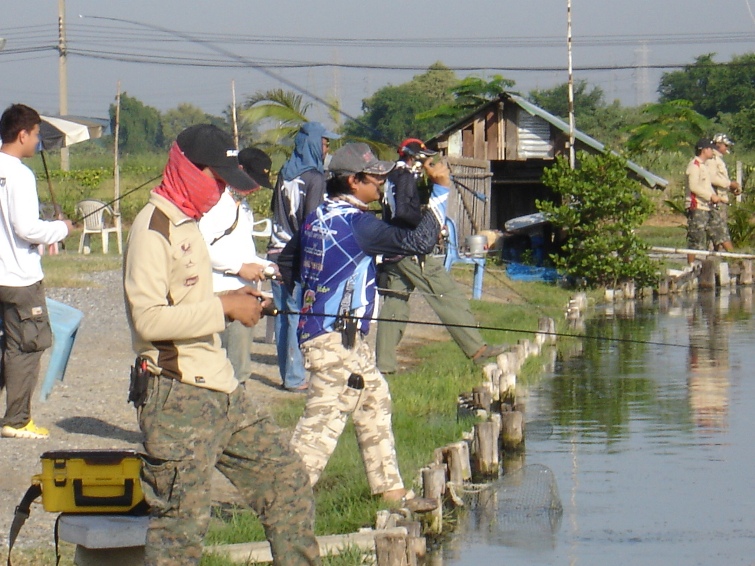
x=107, y=204
x=271, y=311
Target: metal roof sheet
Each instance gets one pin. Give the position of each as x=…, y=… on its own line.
x=650, y=179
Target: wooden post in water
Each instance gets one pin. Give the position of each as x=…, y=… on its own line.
x=416, y=545
x=724, y=279
x=663, y=286
x=390, y=549
x=492, y=378
x=433, y=487
x=628, y=289
x=512, y=430
x=508, y=364
x=456, y=456
x=708, y=275
x=526, y=345
x=745, y=274
x=485, y=452
x=546, y=327
x=481, y=398
x=521, y=355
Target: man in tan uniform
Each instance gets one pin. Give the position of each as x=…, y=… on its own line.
x=700, y=198
x=193, y=412
x=719, y=178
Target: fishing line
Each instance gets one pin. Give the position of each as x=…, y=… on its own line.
x=105, y=205
x=247, y=63
x=276, y=312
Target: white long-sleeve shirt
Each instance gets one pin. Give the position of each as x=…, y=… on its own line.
x=21, y=229
x=229, y=252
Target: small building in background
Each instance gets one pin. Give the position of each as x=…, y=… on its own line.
x=497, y=156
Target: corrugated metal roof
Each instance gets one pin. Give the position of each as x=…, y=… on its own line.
x=649, y=178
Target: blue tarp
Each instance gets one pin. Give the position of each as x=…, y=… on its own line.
x=522, y=272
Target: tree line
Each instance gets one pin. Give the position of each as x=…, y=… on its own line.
x=694, y=101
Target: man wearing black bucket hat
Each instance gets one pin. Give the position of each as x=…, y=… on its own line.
x=227, y=229
x=194, y=414
x=400, y=275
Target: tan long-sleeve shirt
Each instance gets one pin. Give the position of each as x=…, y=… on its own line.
x=719, y=175
x=174, y=316
x=699, y=188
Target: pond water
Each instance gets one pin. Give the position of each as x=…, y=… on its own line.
x=652, y=446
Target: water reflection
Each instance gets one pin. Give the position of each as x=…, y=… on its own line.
x=651, y=443
x=708, y=362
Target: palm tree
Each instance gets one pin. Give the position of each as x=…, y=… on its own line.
x=276, y=115
x=668, y=126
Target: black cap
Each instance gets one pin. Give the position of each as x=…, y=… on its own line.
x=209, y=146
x=256, y=164
x=412, y=147
x=704, y=143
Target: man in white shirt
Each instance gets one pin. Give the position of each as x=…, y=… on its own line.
x=22, y=295
x=227, y=229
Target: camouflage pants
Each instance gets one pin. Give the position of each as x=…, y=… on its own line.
x=188, y=432
x=697, y=229
x=718, y=230
x=330, y=402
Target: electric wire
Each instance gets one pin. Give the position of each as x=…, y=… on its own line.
x=215, y=48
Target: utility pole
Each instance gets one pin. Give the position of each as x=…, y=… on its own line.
x=572, y=128
x=63, y=76
x=233, y=114
x=116, y=165
x=641, y=78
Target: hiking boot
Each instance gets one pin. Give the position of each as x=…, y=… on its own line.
x=487, y=352
x=29, y=430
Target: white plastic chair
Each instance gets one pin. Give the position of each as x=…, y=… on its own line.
x=262, y=228
x=94, y=216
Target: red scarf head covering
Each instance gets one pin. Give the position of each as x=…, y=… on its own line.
x=187, y=187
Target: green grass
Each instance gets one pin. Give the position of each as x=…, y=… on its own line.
x=664, y=236
x=71, y=269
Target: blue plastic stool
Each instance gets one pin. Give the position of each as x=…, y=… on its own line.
x=65, y=321
x=453, y=256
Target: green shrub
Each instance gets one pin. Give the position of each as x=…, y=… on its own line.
x=601, y=210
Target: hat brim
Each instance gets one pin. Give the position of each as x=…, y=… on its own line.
x=261, y=179
x=236, y=178
x=331, y=135
x=379, y=168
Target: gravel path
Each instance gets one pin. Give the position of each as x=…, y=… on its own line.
x=89, y=409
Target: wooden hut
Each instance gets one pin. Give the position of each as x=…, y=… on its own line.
x=497, y=155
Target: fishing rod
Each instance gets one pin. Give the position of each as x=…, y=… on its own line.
x=247, y=63
x=105, y=205
x=478, y=195
x=277, y=312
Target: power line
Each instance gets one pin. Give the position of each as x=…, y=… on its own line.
x=79, y=31
x=284, y=64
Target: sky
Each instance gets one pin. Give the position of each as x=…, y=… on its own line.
x=375, y=44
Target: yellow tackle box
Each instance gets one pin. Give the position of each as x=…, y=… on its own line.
x=90, y=481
